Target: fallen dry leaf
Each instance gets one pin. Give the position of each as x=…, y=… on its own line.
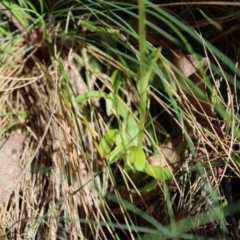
x=188, y=64
x=171, y=149
x=202, y=109
x=10, y=171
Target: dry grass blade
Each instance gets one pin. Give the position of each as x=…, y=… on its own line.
x=60, y=167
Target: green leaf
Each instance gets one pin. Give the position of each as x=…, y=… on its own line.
x=111, y=138
x=136, y=157
x=115, y=155
x=110, y=105
x=90, y=95
x=148, y=72
x=94, y=28
x=116, y=80
x=131, y=127
x=123, y=139
x=108, y=141
x=147, y=188
x=157, y=172
x=115, y=104
x=116, y=83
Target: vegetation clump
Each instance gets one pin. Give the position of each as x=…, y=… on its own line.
x=130, y=112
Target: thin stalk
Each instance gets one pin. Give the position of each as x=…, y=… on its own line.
x=142, y=85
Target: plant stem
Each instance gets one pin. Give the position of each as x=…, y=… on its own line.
x=142, y=88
